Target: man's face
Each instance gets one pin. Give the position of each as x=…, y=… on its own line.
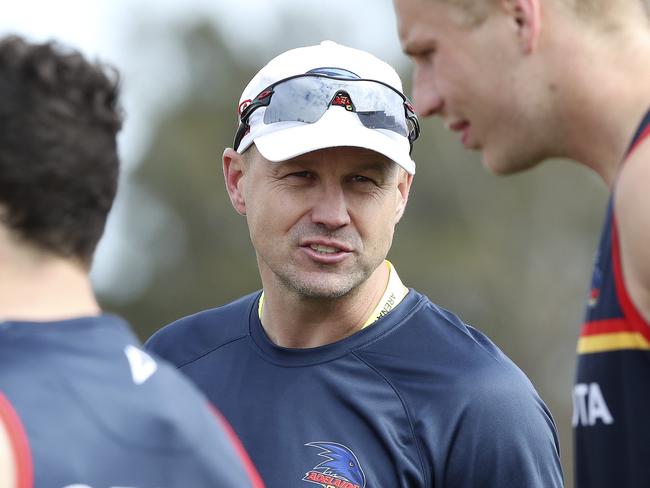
x=322, y=222
x=474, y=76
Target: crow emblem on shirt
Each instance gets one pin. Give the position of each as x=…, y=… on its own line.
x=340, y=469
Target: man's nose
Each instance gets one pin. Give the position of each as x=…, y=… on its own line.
x=331, y=208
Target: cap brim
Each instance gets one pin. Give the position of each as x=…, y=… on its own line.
x=329, y=132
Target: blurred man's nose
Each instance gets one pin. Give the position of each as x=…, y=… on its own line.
x=426, y=97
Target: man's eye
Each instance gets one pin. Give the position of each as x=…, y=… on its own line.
x=361, y=179
x=302, y=174
x=425, y=56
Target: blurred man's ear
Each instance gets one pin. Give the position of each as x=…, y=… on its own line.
x=527, y=19
x=234, y=169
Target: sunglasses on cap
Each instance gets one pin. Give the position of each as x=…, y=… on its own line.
x=306, y=98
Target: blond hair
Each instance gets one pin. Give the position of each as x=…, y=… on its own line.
x=601, y=13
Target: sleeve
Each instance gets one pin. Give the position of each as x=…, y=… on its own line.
x=505, y=436
x=16, y=469
x=159, y=344
x=173, y=343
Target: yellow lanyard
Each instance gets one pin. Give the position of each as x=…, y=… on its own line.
x=393, y=295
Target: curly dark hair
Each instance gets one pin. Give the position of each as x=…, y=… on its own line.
x=59, y=118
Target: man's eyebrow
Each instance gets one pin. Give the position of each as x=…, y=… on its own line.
x=414, y=48
x=284, y=165
x=418, y=43
x=409, y=49
x=379, y=165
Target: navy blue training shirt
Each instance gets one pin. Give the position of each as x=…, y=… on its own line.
x=417, y=399
x=82, y=405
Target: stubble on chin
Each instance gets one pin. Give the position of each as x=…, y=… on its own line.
x=326, y=284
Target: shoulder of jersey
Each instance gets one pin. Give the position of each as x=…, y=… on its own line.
x=436, y=341
x=198, y=334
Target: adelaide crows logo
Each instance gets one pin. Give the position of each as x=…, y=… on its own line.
x=340, y=469
x=596, y=282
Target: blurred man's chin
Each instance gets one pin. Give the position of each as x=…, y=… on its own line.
x=504, y=165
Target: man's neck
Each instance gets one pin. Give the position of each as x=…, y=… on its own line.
x=609, y=94
x=298, y=322
x=39, y=287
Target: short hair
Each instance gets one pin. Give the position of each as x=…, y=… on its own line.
x=597, y=11
x=472, y=12
x=59, y=118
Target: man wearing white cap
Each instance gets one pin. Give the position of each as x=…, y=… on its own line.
x=336, y=374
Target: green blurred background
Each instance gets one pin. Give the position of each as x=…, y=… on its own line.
x=511, y=255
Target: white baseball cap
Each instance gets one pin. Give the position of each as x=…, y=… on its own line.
x=284, y=140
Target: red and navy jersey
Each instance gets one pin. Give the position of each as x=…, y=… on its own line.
x=82, y=405
x=418, y=399
x=611, y=397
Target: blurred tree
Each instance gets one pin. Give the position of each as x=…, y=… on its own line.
x=182, y=169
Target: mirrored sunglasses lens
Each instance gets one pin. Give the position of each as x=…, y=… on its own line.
x=381, y=120
x=296, y=100
x=378, y=106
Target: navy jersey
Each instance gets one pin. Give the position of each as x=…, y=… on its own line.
x=418, y=399
x=82, y=405
x=612, y=392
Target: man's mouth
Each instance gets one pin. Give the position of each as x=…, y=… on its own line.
x=463, y=127
x=324, y=249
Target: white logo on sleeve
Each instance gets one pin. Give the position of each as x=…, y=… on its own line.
x=589, y=405
x=142, y=365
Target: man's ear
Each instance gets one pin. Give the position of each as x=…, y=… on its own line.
x=403, y=187
x=234, y=169
x=527, y=18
